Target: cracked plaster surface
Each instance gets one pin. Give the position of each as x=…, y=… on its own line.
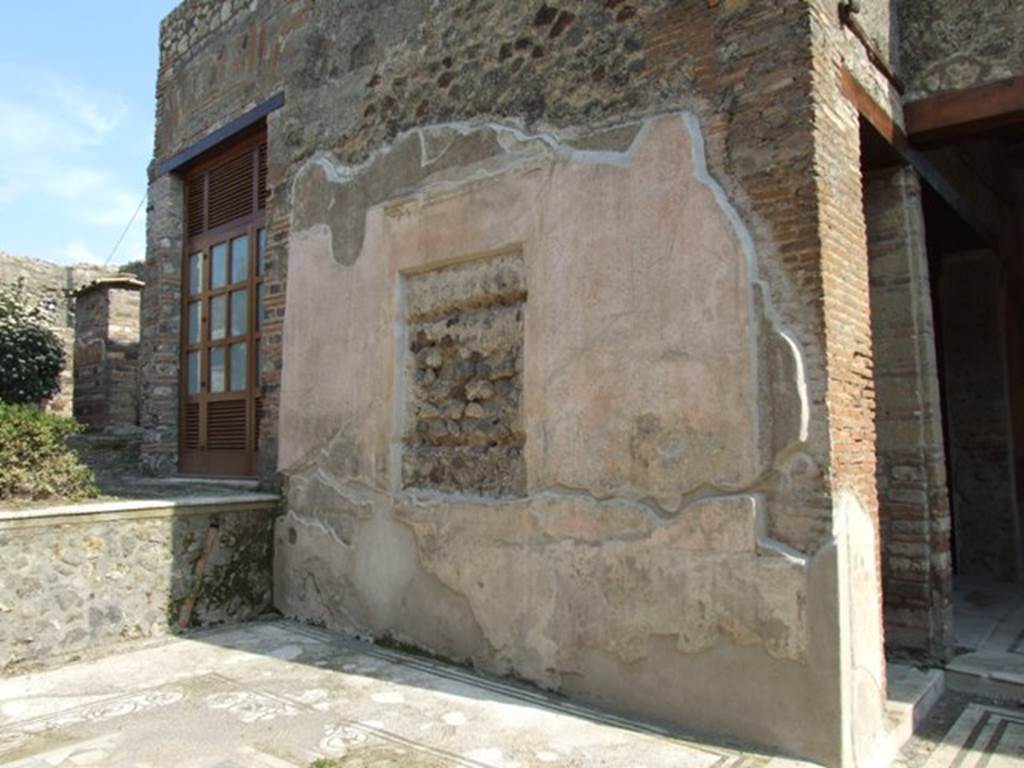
x=663, y=403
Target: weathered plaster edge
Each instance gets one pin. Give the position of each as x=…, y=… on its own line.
x=746, y=240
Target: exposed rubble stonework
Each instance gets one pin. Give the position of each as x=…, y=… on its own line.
x=947, y=46
x=83, y=578
x=463, y=379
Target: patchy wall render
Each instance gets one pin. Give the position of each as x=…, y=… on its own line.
x=78, y=581
x=660, y=399
x=361, y=80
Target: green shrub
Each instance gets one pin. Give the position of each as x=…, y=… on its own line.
x=31, y=355
x=35, y=460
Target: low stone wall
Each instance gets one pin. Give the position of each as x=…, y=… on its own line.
x=78, y=578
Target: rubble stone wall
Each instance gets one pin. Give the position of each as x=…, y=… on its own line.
x=948, y=45
x=75, y=582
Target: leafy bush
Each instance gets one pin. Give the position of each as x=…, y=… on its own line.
x=35, y=460
x=31, y=355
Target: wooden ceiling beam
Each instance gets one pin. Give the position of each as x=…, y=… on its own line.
x=966, y=113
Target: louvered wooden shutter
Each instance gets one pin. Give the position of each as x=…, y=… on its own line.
x=261, y=175
x=191, y=425
x=196, y=205
x=225, y=425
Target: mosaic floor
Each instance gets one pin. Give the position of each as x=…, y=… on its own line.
x=276, y=695
x=281, y=695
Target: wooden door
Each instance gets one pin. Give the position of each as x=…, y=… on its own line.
x=222, y=308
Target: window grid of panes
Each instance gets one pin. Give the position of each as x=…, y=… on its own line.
x=222, y=324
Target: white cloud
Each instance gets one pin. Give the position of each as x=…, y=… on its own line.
x=67, y=152
x=97, y=111
x=76, y=252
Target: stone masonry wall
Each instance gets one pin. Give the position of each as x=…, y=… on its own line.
x=106, y=357
x=388, y=85
x=913, y=499
x=47, y=286
x=75, y=583
x=379, y=69
x=948, y=45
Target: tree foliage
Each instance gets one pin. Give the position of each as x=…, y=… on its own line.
x=31, y=354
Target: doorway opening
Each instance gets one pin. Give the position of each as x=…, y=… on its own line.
x=947, y=310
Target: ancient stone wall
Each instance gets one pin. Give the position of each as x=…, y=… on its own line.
x=48, y=286
x=948, y=45
x=415, y=138
x=78, y=582
x=913, y=498
x=107, y=356
x=986, y=530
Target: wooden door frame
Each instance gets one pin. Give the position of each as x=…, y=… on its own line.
x=202, y=460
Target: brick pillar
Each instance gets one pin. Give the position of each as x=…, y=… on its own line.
x=106, y=353
x=911, y=475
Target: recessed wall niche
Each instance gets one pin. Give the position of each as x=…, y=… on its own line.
x=463, y=378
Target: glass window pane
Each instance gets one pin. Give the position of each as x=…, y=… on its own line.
x=193, y=373
x=195, y=273
x=218, y=265
x=259, y=306
x=239, y=312
x=217, y=369
x=195, y=316
x=218, y=317
x=261, y=250
x=240, y=259
x=259, y=360
x=239, y=370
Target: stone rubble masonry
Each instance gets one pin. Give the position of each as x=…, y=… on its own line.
x=48, y=286
x=913, y=498
x=160, y=336
x=948, y=45
x=78, y=581
x=107, y=316
x=464, y=430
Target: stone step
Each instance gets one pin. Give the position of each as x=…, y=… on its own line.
x=912, y=692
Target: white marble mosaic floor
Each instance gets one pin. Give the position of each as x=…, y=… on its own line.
x=276, y=695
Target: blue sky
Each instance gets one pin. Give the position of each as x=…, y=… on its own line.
x=77, y=85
